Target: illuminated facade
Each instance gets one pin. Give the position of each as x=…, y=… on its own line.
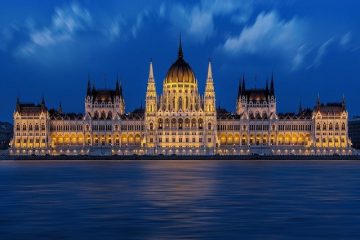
x=180, y=121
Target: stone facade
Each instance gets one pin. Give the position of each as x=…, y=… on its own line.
x=180, y=121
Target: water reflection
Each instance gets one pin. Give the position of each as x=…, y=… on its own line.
x=179, y=200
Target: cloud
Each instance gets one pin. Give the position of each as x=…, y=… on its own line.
x=272, y=35
x=268, y=32
x=198, y=21
x=321, y=53
x=115, y=28
x=66, y=23
x=345, y=39
x=139, y=22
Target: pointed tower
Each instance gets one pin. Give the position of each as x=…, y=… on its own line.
x=210, y=110
x=318, y=103
x=120, y=102
x=267, y=86
x=243, y=85
x=272, y=88
x=240, y=104
x=88, y=90
x=300, y=107
x=343, y=104
x=180, y=52
x=117, y=88
x=60, y=108
x=151, y=102
x=209, y=92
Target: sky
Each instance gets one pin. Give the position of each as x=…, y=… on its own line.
x=50, y=48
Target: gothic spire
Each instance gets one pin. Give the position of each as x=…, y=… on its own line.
x=318, y=102
x=239, y=88
x=180, y=52
x=300, y=107
x=267, y=86
x=60, y=108
x=209, y=81
x=151, y=88
x=117, y=88
x=120, y=90
x=209, y=75
x=151, y=71
x=343, y=104
x=18, y=103
x=88, y=91
x=272, y=89
x=243, y=84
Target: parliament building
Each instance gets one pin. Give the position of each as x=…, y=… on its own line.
x=181, y=121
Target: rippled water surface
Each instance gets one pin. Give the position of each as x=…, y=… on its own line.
x=179, y=200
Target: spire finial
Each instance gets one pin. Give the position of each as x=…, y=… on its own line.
x=180, y=53
x=272, y=88
x=88, y=91
x=60, y=108
x=151, y=70
x=209, y=76
x=243, y=84
x=300, y=107
x=117, y=88
x=343, y=102
x=267, y=85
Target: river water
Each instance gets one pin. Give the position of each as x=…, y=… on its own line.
x=179, y=200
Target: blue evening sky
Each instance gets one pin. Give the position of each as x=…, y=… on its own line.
x=48, y=48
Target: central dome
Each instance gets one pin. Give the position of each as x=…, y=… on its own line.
x=180, y=71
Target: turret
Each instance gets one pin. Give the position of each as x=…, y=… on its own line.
x=117, y=88
x=88, y=91
x=151, y=102
x=272, y=88
x=209, y=91
x=60, y=108
x=180, y=52
x=318, y=103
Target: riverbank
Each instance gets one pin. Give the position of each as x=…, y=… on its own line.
x=184, y=157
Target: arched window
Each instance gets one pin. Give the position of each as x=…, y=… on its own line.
x=17, y=127
x=193, y=123
x=151, y=126
x=209, y=126
x=103, y=115
x=30, y=127
x=201, y=123
x=173, y=123
x=187, y=123
x=180, y=123
x=180, y=103
x=330, y=127
x=167, y=123
x=324, y=126
x=343, y=126
x=109, y=115
x=160, y=125
x=96, y=115
x=36, y=127
x=264, y=115
x=337, y=127
x=318, y=126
